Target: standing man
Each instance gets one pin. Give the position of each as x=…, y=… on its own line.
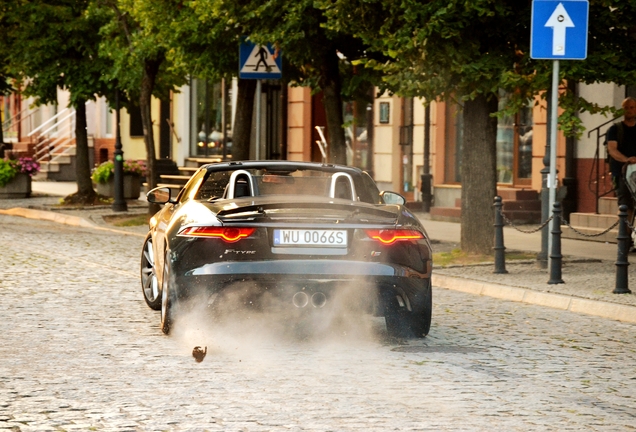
x=621, y=146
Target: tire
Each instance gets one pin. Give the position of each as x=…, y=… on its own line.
x=168, y=299
x=149, y=283
x=404, y=324
x=421, y=323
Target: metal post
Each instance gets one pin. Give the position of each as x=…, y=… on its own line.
x=542, y=256
x=257, y=153
x=623, y=239
x=555, y=253
x=552, y=178
x=426, y=178
x=206, y=141
x=500, y=250
x=119, y=204
x=223, y=118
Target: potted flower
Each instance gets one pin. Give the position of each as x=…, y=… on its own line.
x=15, y=177
x=103, y=176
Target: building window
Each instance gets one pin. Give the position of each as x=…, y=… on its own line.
x=385, y=111
x=454, y=143
x=357, y=131
x=207, y=117
x=136, y=125
x=108, y=124
x=514, y=145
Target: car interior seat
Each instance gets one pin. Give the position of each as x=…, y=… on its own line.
x=241, y=188
x=342, y=187
x=241, y=184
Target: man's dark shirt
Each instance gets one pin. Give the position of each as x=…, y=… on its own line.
x=627, y=147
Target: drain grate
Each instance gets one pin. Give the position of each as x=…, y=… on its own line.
x=446, y=349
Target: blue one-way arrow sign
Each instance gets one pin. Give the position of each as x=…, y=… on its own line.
x=559, y=29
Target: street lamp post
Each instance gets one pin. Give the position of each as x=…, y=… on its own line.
x=119, y=204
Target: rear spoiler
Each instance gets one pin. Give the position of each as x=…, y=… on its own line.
x=263, y=208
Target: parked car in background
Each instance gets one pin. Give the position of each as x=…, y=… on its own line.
x=300, y=233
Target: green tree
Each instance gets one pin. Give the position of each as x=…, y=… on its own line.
x=5, y=75
x=132, y=41
x=465, y=52
x=201, y=42
x=311, y=53
x=53, y=44
x=453, y=51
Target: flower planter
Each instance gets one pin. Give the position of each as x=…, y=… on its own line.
x=132, y=187
x=19, y=187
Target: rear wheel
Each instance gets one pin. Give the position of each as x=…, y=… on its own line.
x=149, y=281
x=168, y=299
x=405, y=324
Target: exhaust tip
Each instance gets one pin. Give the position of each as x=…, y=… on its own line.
x=318, y=300
x=300, y=299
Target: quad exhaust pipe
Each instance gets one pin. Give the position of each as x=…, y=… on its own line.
x=301, y=299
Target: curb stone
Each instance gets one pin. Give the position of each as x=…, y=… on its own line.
x=618, y=312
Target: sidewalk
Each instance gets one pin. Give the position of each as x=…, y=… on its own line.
x=588, y=271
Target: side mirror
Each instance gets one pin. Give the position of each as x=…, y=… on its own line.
x=392, y=198
x=160, y=195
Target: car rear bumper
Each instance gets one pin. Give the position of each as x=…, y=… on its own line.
x=373, y=283
x=330, y=268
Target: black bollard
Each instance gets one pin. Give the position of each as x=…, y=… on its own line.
x=623, y=239
x=500, y=250
x=555, y=254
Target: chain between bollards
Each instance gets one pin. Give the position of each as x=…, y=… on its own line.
x=500, y=250
x=623, y=239
x=556, y=259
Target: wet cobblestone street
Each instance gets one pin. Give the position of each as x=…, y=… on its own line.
x=80, y=350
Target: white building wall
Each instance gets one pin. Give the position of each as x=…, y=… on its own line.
x=601, y=94
x=181, y=122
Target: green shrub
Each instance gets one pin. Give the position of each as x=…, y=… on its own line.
x=103, y=172
x=8, y=171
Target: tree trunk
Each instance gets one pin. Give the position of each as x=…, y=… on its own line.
x=85, y=191
x=332, y=97
x=242, y=128
x=151, y=69
x=479, y=175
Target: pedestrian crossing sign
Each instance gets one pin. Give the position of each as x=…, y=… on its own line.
x=259, y=61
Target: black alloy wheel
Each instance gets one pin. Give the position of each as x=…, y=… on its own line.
x=149, y=282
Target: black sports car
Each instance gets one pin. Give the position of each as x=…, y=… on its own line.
x=297, y=232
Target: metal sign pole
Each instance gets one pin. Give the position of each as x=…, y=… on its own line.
x=257, y=153
x=552, y=178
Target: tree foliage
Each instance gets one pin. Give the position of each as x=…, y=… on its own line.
x=53, y=44
x=132, y=40
x=469, y=51
x=312, y=53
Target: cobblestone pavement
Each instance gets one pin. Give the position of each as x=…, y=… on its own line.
x=81, y=351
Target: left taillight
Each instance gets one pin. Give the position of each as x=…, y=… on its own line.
x=227, y=234
x=391, y=236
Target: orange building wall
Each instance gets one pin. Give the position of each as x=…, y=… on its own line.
x=299, y=124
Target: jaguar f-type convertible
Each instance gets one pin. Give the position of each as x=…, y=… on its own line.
x=298, y=232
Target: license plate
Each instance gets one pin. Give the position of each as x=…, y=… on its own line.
x=301, y=237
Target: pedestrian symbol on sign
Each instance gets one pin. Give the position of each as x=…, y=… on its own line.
x=259, y=62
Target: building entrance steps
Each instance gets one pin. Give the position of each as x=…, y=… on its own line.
x=519, y=205
x=590, y=225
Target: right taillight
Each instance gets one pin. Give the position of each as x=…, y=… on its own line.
x=390, y=236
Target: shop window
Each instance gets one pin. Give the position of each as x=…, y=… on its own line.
x=208, y=116
x=356, y=115
x=454, y=143
x=514, y=145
